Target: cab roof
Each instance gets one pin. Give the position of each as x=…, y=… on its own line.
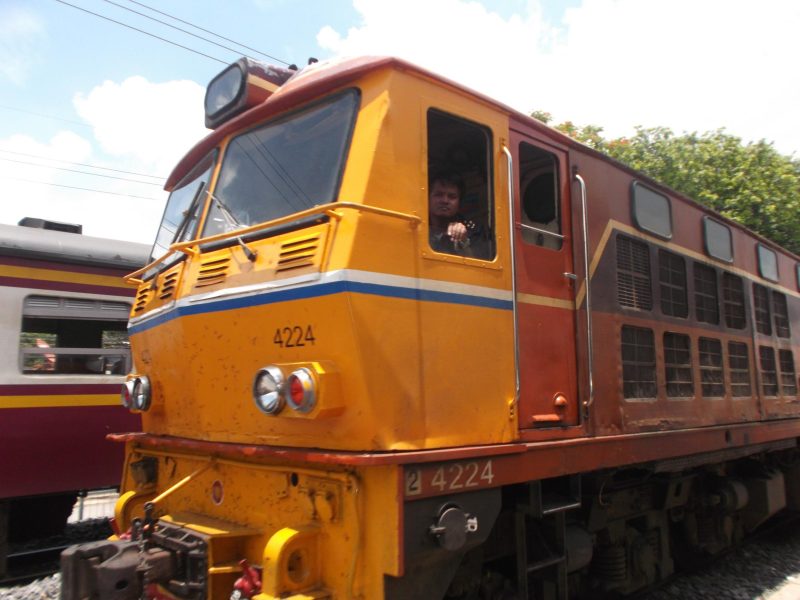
x=312, y=82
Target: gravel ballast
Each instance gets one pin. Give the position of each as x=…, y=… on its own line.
x=765, y=569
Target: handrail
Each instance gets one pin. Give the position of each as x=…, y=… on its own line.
x=511, y=240
x=190, y=247
x=587, y=283
x=64, y=351
x=542, y=231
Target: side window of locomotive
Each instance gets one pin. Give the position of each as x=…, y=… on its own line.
x=74, y=336
x=539, y=197
x=767, y=263
x=718, y=239
x=652, y=211
x=460, y=203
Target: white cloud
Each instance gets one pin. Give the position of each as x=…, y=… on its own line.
x=614, y=63
x=138, y=126
x=152, y=123
x=22, y=36
x=40, y=180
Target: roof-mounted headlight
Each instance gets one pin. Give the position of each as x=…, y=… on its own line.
x=240, y=86
x=268, y=389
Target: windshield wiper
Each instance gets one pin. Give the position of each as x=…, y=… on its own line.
x=230, y=219
x=234, y=223
x=188, y=215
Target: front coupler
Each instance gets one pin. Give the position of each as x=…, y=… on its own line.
x=166, y=555
x=112, y=570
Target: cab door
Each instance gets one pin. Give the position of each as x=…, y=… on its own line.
x=546, y=285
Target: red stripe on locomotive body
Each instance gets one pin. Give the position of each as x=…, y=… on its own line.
x=64, y=286
x=522, y=461
x=554, y=459
x=69, y=450
x=14, y=261
x=323, y=457
x=59, y=389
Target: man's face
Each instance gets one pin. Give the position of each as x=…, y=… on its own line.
x=444, y=200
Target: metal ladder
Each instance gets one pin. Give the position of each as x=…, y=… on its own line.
x=540, y=525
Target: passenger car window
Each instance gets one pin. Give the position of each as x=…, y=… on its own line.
x=63, y=335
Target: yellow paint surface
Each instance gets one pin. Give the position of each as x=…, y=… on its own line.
x=52, y=401
x=61, y=276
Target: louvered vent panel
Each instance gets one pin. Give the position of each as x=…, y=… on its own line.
x=298, y=253
x=77, y=303
x=106, y=306
x=213, y=272
x=633, y=274
x=142, y=298
x=168, y=286
x=638, y=362
x=42, y=302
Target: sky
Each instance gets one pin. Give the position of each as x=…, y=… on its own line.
x=99, y=99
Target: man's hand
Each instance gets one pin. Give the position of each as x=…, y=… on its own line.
x=457, y=232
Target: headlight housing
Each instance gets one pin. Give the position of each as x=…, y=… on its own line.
x=302, y=393
x=142, y=394
x=136, y=393
x=126, y=394
x=268, y=389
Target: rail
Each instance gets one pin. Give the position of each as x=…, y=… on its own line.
x=190, y=248
x=513, y=261
x=525, y=227
x=587, y=286
x=59, y=361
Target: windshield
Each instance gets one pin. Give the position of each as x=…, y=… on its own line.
x=183, y=207
x=284, y=167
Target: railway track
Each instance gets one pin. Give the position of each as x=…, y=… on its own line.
x=40, y=558
x=26, y=565
x=752, y=569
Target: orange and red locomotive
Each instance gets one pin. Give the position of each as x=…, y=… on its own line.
x=336, y=404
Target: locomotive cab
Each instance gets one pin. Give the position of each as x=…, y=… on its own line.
x=297, y=238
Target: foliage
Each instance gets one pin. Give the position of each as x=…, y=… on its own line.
x=750, y=183
x=591, y=135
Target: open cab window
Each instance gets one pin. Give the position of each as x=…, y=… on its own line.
x=459, y=187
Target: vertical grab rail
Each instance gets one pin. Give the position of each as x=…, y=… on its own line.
x=511, y=239
x=588, y=287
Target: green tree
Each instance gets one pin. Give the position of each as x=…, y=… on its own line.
x=591, y=135
x=751, y=183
